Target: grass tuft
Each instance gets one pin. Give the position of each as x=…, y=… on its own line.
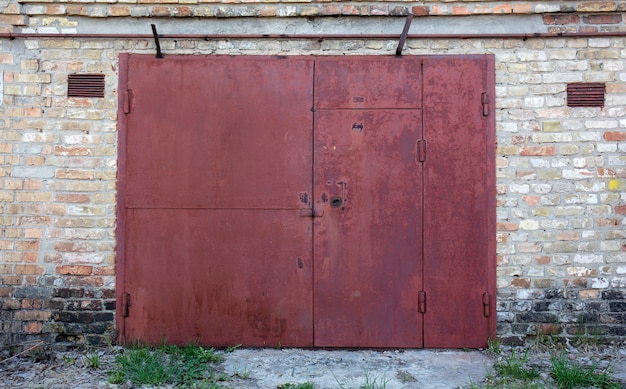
x=305, y=385
x=184, y=366
x=515, y=367
x=569, y=374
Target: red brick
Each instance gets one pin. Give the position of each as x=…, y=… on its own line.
x=620, y=209
x=75, y=270
x=182, y=12
x=520, y=283
x=575, y=282
x=32, y=304
x=76, y=10
x=72, y=198
x=16, y=20
x=549, y=329
x=420, y=11
x=32, y=315
x=74, y=247
x=29, y=269
x=119, y=11
x=538, y=151
x=330, y=10
x=502, y=9
x=104, y=271
x=13, y=280
x=33, y=327
x=507, y=226
x=596, y=6
x=27, y=245
x=74, y=174
x=350, y=10
x=460, y=10
x=531, y=200
x=561, y=19
x=615, y=136
x=602, y=222
x=72, y=151
x=605, y=173
x=55, y=9
x=603, y=19
x=542, y=260
x=568, y=235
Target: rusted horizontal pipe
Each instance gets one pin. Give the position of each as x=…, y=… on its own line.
x=11, y=35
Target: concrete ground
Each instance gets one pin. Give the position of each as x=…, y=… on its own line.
x=424, y=369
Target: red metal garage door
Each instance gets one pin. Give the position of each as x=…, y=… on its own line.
x=224, y=161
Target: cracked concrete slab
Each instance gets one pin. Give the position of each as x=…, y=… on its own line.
x=424, y=369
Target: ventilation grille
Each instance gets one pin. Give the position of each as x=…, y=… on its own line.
x=585, y=94
x=85, y=85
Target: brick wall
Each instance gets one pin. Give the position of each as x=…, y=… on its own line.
x=561, y=172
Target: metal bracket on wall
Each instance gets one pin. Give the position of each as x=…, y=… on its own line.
x=405, y=32
x=156, y=42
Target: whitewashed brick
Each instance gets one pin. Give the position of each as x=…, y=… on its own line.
x=516, y=188
x=529, y=224
x=588, y=258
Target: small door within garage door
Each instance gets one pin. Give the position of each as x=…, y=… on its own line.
x=302, y=201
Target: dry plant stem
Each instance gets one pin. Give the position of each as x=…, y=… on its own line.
x=23, y=352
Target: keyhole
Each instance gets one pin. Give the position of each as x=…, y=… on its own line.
x=335, y=202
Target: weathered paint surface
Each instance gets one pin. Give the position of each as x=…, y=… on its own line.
x=368, y=249
x=258, y=214
x=217, y=172
x=459, y=203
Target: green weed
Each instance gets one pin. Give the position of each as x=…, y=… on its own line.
x=377, y=382
x=232, y=348
x=569, y=374
x=184, y=366
x=306, y=385
x=515, y=367
x=494, y=346
x=92, y=359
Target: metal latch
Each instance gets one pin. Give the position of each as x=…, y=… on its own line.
x=486, y=305
x=125, y=304
x=421, y=301
x=421, y=150
x=484, y=98
x=339, y=202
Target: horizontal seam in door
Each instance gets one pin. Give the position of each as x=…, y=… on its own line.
x=237, y=208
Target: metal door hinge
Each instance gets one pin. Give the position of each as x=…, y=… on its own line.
x=127, y=95
x=486, y=305
x=421, y=301
x=125, y=304
x=421, y=150
x=484, y=97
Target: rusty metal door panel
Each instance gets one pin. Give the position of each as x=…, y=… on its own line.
x=219, y=132
x=218, y=168
x=367, y=243
x=368, y=82
x=459, y=202
x=219, y=277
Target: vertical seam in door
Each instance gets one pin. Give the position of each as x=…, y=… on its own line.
x=313, y=197
x=121, y=212
x=423, y=201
